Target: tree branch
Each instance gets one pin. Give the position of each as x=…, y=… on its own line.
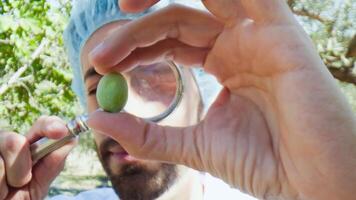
x=344, y=74
x=5, y=41
x=22, y=69
x=351, y=50
x=304, y=12
x=291, y=3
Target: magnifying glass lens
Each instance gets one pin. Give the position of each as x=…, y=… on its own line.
x=152, y=89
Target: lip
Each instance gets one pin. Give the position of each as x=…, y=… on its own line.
x=122, y=157
x=115, y=153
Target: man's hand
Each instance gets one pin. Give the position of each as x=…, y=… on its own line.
x=280, y=129
x=19, y=180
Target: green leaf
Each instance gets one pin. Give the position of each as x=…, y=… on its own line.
x=30, y=25
x=7, y=22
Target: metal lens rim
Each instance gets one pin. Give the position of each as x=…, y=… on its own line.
x=178, y=95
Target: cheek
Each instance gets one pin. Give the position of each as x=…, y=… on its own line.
x=152, y=165
x=99, y=138
x=92, y=103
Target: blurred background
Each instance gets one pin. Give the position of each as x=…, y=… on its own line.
x=36, y=76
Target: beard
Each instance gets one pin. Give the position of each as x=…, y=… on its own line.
x=137, y=181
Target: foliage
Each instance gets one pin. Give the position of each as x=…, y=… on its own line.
x=35, y=76
x=332, y=25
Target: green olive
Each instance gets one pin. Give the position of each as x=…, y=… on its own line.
x=112, y=92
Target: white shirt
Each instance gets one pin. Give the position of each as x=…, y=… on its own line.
x=214, y=189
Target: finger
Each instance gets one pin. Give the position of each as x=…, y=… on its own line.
x=136, y=5
x=3, y=186
x=148, y=140
x=194, y=27
x=166, y=50
x=258, y=10
x=15, y=152
x=48, y=168
x=47, y=126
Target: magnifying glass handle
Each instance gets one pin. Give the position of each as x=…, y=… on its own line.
x=45, y=145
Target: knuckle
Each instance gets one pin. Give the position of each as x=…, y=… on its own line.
x=19, y=174
x=3, y=191
x=2, y=168
x=146, y=144
x=170, y=54
x=13, y=143
x=175, y=14
x=3, y=185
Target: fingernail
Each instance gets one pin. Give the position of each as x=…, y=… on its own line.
x=55, y=126
x=99, y=109
x=56, y=130
x=98, y=49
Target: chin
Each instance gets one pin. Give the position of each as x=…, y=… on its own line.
x=139, y=181
x=134, y=179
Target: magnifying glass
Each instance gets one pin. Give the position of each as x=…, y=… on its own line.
x=154, y=91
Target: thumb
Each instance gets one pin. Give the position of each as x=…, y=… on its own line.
x=147, y=140
x=46, y=169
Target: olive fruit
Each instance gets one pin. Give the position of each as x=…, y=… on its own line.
x=112, y=92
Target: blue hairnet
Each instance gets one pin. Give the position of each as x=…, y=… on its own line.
x=87, y=16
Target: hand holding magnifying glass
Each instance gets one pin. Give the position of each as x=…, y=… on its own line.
x=281, y=128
